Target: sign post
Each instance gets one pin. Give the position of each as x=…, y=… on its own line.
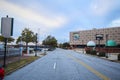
x=6, y=31
x=5, y=46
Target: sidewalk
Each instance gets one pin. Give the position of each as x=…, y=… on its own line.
x=109, y=59
x=13, y=59
x=17, y=58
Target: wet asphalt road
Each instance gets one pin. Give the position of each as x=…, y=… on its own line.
x=68, y=65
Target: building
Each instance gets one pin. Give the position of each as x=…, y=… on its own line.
x=81, y=38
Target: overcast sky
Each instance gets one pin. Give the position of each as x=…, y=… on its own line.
x=59, y=17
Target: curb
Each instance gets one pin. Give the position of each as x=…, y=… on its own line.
x=117, y=61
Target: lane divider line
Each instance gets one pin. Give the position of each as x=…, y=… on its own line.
x=54, y=67
x=103, y=77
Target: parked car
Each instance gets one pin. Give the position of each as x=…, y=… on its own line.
x=51, y=49
x=37, y=49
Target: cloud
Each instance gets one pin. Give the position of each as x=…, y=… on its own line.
x=115, y=23
x=101, y=7
x=27, y=15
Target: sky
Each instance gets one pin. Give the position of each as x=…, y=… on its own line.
x=60, y=17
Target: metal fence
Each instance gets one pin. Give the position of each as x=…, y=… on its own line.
x=10, y=52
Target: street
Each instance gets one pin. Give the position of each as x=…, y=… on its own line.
x=68, y=65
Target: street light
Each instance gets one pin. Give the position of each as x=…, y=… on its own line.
x=99, y=37
x=21, y=46
x=106, y=39
x=83, y=45
x=36, y=45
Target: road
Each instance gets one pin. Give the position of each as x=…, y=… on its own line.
x=68, y=65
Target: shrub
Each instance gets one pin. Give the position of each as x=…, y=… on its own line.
x=106, y=56
x=118, y=56
x=88, y=51
x=101, y=54
x=93, y=52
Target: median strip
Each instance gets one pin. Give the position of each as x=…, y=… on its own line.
x=11, y=67
x=103, y=77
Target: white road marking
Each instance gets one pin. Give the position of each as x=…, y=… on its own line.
x=54, y=65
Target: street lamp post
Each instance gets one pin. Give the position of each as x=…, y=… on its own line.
x=83, y=46
x=45, y=45
x=99, y=37
x=45, y=48
x=36, y=45
x=21, y=47
x=99, y=44
x=106, y=39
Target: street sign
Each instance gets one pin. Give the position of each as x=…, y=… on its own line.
x=6, y=31
x=7, y=27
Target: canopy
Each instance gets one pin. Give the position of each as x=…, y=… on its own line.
x=111, y=43
x=91, y=43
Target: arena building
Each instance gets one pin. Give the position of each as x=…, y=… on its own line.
x=99, y=36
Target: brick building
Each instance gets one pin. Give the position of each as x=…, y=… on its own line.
x=81, y=38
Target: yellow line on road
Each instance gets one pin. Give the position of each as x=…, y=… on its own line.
x=103, y=77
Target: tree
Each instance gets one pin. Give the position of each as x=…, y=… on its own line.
x=66, y=45
x=50, y=41
x=60, y=45
x=27, y=36
x=9, y=39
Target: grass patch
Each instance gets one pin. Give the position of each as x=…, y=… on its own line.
x=18, y=64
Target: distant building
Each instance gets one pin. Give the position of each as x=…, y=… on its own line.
x=81, y=38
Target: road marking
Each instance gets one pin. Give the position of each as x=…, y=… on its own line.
x=103, y=77
x=54, y=65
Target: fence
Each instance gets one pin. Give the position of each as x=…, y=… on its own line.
x=106, y=50
x=10, y=52
x=109, y=50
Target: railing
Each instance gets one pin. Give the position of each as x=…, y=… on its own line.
x=107, y=50
x=10, y=52
x=110, y=50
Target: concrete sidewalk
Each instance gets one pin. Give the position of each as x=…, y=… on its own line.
x=111, y=58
